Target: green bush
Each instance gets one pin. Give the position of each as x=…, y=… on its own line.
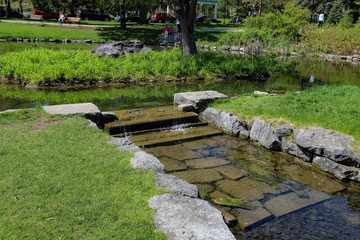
x=348, y=20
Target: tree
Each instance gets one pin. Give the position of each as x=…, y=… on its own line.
x=7, y=7
x=185, y=11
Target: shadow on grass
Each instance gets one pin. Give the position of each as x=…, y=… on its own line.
x=210, y=37
x=118, y=34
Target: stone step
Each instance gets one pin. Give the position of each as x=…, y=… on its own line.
x=162, y=129
x=148, y=118
x=168, y=137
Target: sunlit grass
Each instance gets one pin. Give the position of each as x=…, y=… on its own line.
x=60, y=180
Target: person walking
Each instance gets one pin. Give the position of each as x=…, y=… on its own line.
x=321, y=19
x=178, y=27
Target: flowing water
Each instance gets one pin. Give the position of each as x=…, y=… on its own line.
x=263, y=194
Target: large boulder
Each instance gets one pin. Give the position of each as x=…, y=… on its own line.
x=293, y=149
x=116, y=49
x=264, y=133
x=327, y=143
x=197, y=99
x=181, y=217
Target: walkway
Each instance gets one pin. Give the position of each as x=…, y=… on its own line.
x=107, y=26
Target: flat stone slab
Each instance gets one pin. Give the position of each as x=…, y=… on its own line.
x=182, y=217
x=207, y=162
x=78, y=108
x=172, y=165
x=285, y=204
x=146, y=161
x=174, y=152
x=231, y=172
x=197, y=99
x=174, y=184
x=199, y=176
x=246, y=189
x=249, y=218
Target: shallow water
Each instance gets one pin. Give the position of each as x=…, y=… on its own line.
x=284, y=197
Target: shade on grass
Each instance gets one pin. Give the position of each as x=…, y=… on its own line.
x=60, y=180
x=330, y=107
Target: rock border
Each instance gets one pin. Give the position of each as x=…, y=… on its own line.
x=327, y=149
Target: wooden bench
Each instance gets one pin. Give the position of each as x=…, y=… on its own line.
x=72, y=20
x=36, y=17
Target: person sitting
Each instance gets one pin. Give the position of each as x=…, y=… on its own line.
x=166, y=30
x=61, y=18
x=171, y=32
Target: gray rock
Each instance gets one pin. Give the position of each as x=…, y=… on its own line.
x=146, y=161
x=234, y=48
x=207, y=47
x=293, y=149
x=323, y=142
x=116, y=49
x=124, y=144
x=175, y=184
x=283, y=131
x=78, y=108
x=15, y=110
x=88, y=41
x=186, y=107
x=225, y=47
x=340, y=171
x=261, y=93
x=225, y=121
x=182, y=217
x=357, y=178
x=197, y=99
x=263, y=133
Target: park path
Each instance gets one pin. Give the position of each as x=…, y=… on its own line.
x=102, y=26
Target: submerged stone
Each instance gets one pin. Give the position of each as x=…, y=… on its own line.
x=172, y=165
x=204, y=189
x=199, y=176
x=207, y=162
x=249, y=218
x=231, y=172
x=292, y=202
x=246, y=189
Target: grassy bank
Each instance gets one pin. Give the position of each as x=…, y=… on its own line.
x=69, y=66
x=59, y=185
x=330, y=107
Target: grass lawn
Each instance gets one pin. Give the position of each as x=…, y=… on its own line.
x=330, y=107
x=60, y=180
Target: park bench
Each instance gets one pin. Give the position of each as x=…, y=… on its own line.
x=36, y=17
x=73, y=20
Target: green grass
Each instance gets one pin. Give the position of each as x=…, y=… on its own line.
x=330, y=107
x=70, y=66
x=56, y=184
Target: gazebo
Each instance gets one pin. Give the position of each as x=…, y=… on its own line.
x=207, y=4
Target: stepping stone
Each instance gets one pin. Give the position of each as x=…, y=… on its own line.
x=197, y=99
x=231, y=219
x=250, y=218
x=172, y=165
x=218, y=195
x=204, y=189
x=231, y=172
x=246, y=189
x=78, y=108
x=285, y=204
x=199, y=176
x=207, y=162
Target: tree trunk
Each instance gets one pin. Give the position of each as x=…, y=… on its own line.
x=143, y=13
x=260, y=7
x=20, y=6
x=122, y=18
x=7, y=7
x=185, y=11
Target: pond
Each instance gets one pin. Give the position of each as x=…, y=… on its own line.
x=323, y=207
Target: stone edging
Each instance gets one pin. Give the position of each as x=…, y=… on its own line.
x=328, y=149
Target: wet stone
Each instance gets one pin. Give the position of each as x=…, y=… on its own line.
x=172, y=165
x=180, y=153
x=246, y=189
x=285, y=204
x=314, y=179
x=249, y=218
x=199, y=176
x=204, y=189
x=229, y=218
x=206, y=163
x=231, y=172
x=352, y=218
x=218, y=195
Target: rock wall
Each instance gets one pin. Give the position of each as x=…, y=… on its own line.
x=328, y=149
